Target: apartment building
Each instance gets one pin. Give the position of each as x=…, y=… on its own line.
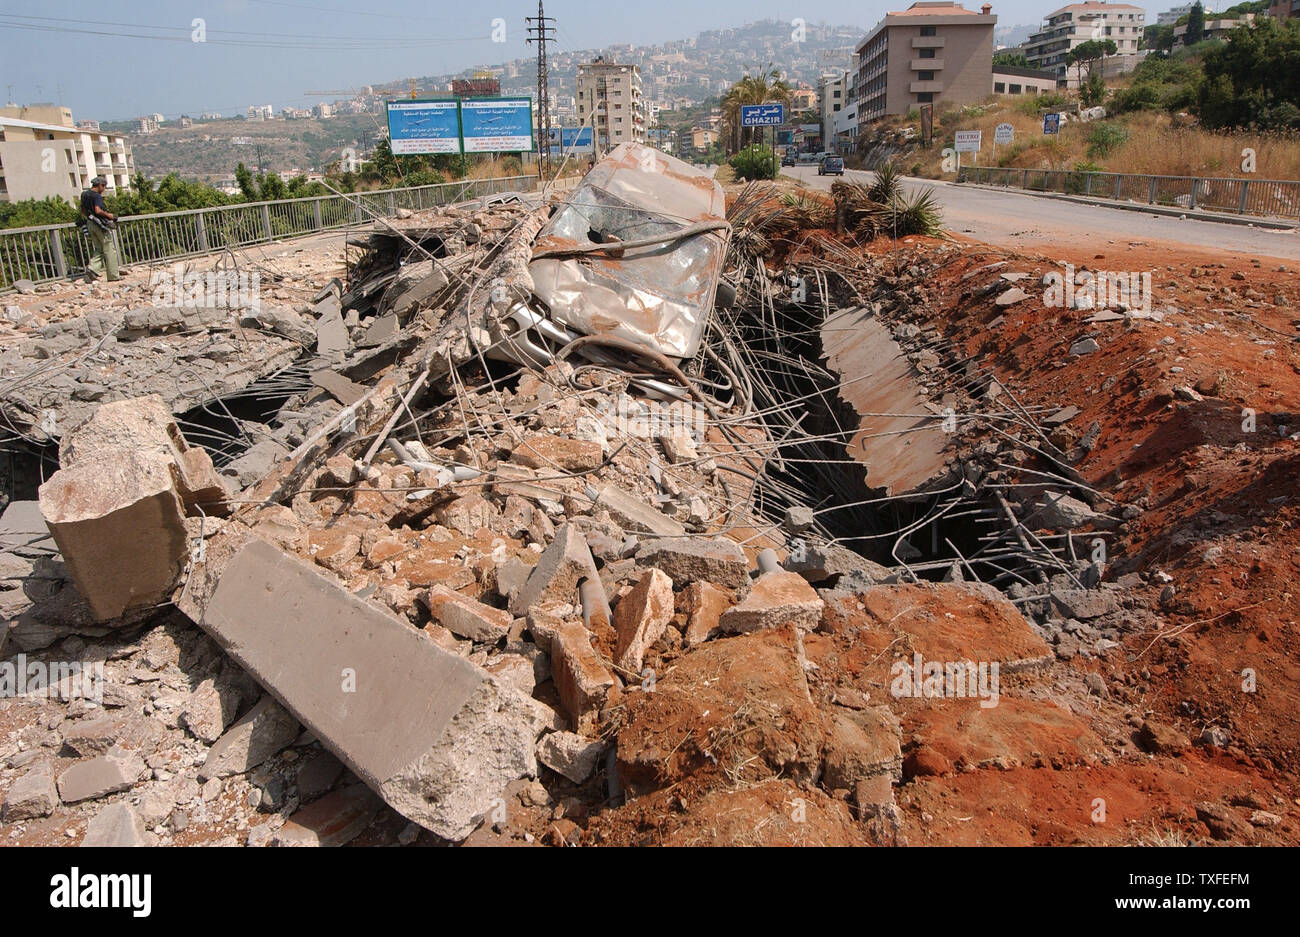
x=930, y=53
x=610, y=99
x=1216, y=28
x=1073, y=25
x=1169, y=17
x=832, y=90
x=44, y=153
x=1010, y=79
x=1284, y=9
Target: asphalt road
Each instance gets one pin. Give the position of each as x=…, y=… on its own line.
x=1022, y=222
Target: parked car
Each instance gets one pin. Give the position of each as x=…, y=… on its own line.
x=788, y=158
x=831, y=166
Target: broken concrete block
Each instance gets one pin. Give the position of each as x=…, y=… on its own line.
x=437, y=737
x=570, y=754
x=776, y=599
x=283, y=322
x=679, y=448
x=334, y=820
x=559, y=569
x=641, y=618
x=31, y=797
x=263, y=731
x=256, y=463
x=100, y=776
x=688, y=559
x=635, y=515
x=558, y=453
x=209, y=710
x=465, y=617
x=105, y=502
x=861, y=746
x=819, y=562
x=116, y=825
x=703, y=604
x=1085, y=604
x=1059, y=511
x=580, y=679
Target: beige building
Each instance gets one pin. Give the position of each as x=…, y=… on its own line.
x=1010, y=79
x=44, y=153
x=1216, y=28
x=930, y=53
x=1073, y=25
x=610, y=99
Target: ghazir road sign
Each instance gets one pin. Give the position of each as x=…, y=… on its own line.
x=968, y=141
x=762, y=115
x=1051, y=123
x=1003, y=133
x=424, y=127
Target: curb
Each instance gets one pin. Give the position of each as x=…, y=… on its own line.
x=1254, y=222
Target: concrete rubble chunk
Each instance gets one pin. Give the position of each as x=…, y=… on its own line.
x=860, y=746
x=434, y=735
x=209, y=710
x=108, y=500
x=1061, y=512
x=703, y=603
x=581, y=679
x=116, y=825
x=1085, y=604
x=635, y=515
x=570, y=754
x=689, y=559
x=641, y=618
x=819, y=562
x=263, y=731
x=562, y=565
x=465, y=617
x=98, y=777
x=334, y=820
x=31, y=796
x=777, y=598
x=558, y=453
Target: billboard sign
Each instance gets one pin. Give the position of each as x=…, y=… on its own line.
x=762, y=115
x=416, y=127
x=497, y=125
x=1051, y=123
x=968, y=141
x=572, y=139
x=475, y=87
x=1004, y=134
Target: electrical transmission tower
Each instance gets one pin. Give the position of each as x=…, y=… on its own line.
x=541, y=29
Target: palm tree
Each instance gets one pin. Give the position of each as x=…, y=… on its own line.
x=766, y=87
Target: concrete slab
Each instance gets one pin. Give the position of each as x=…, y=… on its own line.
x=437, y=737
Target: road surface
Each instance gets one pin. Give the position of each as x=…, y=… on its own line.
x=1023, y=222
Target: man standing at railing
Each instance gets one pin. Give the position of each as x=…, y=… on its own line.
x=99, y=222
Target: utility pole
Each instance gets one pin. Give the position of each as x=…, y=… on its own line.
x=542, y=33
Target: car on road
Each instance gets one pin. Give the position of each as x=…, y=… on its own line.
x=831, y=166
x=788, y=159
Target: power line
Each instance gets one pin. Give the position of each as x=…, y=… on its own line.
x=541, y=33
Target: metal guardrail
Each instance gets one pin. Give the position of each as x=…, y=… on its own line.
x=53, y=252
x=1277, y=198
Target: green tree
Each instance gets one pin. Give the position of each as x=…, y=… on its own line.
x=767, y=87
x=1088, y=54
x=1195, y=25
x=1253, y=81
x=1011, y=59
x=244, y=179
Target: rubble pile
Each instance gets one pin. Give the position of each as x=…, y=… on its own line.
x=519, y=539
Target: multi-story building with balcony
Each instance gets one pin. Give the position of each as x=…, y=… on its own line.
x=610, y=100
x=1073, y=25
x=43, y=153
x=931, y=53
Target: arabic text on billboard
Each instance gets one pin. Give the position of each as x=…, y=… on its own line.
x=762, y=115
x=577, y=139
x=497, y=125
x=423, y=127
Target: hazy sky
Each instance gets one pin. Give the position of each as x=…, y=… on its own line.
x=94, y=57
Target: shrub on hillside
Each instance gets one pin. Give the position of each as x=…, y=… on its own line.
x=754, y=162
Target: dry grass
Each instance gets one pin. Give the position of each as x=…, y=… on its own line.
x=1155, y=145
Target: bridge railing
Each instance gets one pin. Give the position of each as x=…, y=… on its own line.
x=53, y=252
x=1279, y=198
